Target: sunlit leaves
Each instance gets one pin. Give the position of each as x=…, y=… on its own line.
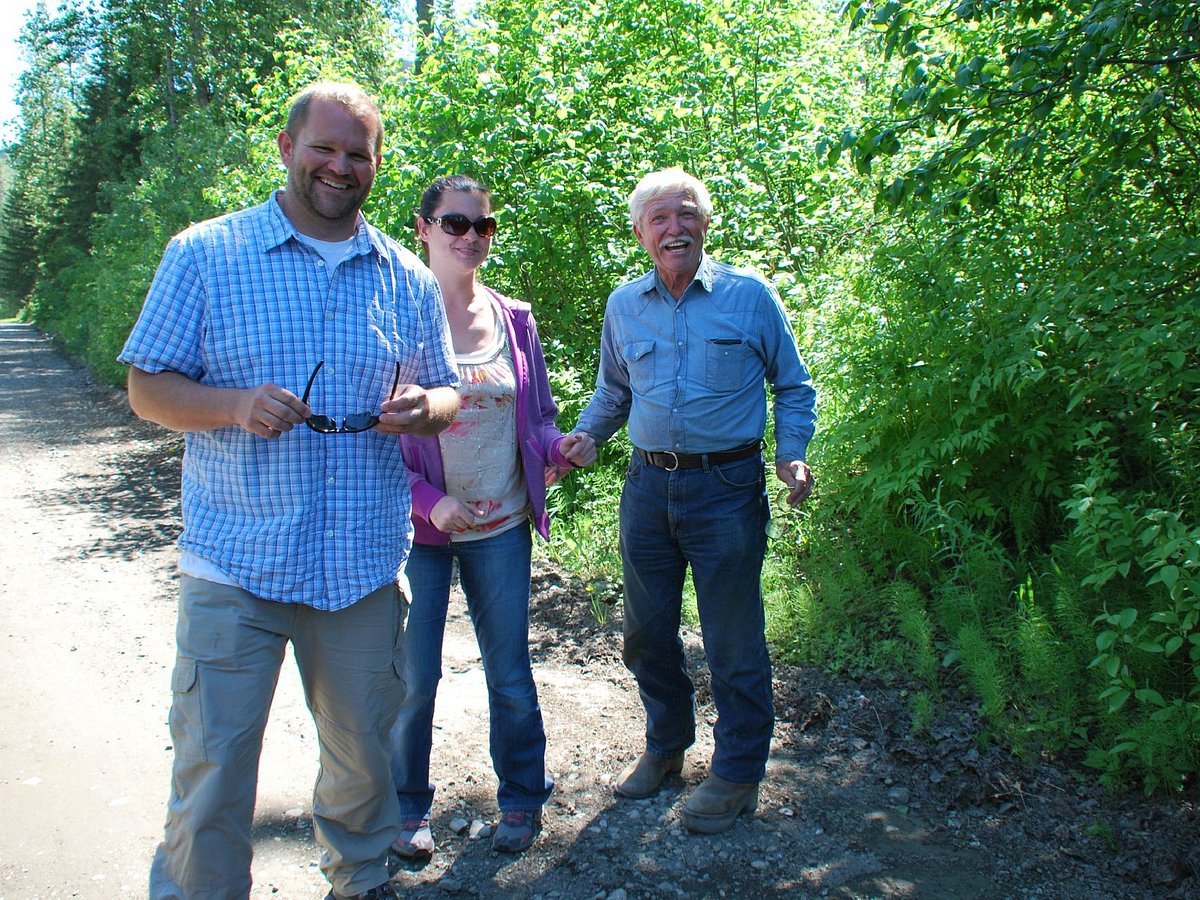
x=1027, y=68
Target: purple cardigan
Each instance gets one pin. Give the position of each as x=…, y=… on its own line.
x=537, y=434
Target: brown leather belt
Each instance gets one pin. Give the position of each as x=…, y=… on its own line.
x=671, y=461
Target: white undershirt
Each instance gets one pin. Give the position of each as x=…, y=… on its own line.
x=333, y=252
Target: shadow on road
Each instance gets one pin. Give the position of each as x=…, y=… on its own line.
x=143, y=495
x=137, y=489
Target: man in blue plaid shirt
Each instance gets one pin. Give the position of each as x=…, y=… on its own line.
x=292, y=343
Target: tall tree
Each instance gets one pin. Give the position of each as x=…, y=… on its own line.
x=46, y=95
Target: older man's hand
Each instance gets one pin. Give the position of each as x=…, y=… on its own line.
x=799, y=479
x=580, y=448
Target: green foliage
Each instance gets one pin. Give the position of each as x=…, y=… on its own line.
x=981, y=216
x=47, y=97
x=1093, y=90
x=1047, y=424
x=157, y=139
x=1023, y=346
x=923, y=710
x=524, y=99
x=916, y=627
x=18, y=255
x=985, y=670
x=1047, y=667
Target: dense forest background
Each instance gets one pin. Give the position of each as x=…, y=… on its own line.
x=982, y=215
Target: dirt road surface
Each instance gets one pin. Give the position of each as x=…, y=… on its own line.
x=853, y=805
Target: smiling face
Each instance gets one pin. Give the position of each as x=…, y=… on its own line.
x=331, y=163
x=449, y=254
x=672, y=229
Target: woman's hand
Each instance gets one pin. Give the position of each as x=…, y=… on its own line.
x=453, y=516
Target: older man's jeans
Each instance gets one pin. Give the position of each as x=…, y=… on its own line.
x=714, y=519
x=494, y=573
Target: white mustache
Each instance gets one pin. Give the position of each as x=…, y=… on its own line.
x=684, y=239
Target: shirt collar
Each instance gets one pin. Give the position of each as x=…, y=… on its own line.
x=279, y=229
x=704, y=275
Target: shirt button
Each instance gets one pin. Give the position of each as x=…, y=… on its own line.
x=329, y=314
x=329, y=480
x=320, y=263
x=328, y=532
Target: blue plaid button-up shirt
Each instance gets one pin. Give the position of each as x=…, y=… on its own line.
x=239, y=301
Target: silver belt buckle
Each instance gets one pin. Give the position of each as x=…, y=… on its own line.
x=675, y=457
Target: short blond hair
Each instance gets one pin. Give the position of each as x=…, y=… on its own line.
x=668, y=181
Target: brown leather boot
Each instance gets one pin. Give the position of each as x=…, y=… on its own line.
x=643, y=778
x=716, y=803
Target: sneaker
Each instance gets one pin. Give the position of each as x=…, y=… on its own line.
x=415, y=840
x=383, y=891
x=516, y=830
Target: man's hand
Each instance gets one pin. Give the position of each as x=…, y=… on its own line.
x=799, y=479
x=269, y=410
x=181, y=404
x=417, y=410
x=453, y=516
x=579, y=447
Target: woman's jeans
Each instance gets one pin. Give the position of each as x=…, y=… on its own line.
x=714, y=519
x=494, y=573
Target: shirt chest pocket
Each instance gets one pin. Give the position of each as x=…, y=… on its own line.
x=728, y=364
x=639, y=358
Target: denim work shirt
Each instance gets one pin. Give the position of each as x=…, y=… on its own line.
x=690, y=375
x=239, y=301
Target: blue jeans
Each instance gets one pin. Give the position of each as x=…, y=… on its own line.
x=494, y=573
x=714, y=519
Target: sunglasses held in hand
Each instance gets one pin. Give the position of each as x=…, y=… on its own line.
x=351, y=424
x=457, y=224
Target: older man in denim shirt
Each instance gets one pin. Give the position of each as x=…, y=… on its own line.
x=292, y=343
x=687, y=352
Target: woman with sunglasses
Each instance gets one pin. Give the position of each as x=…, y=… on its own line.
x=476, y=490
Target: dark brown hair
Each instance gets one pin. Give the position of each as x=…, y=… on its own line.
x=449, y=185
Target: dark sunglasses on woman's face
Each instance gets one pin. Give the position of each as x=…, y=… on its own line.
x=457, y=224
x=351, y=424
